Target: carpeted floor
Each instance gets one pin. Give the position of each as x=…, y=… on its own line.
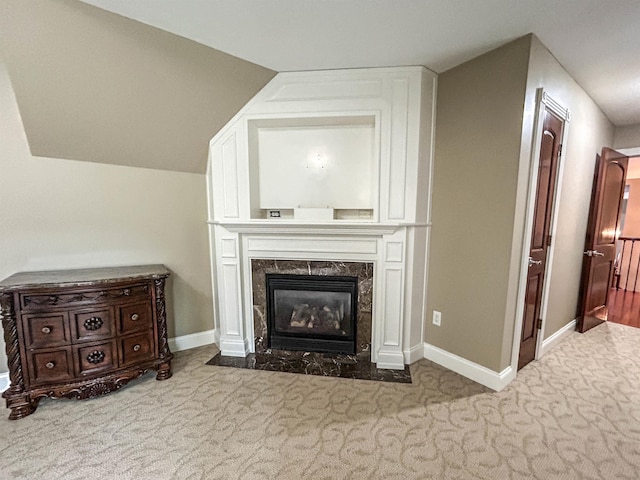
x=575, y=414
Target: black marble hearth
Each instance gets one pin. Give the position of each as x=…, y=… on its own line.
x=328, y=365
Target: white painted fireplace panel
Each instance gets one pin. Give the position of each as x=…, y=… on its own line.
x=397, y=104
x=274, y=246
x=398, y=167
x=230, y=177
x=316, y=166
x=314, y=88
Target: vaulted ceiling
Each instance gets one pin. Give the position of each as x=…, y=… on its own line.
x=97, y=87
x=597, y=41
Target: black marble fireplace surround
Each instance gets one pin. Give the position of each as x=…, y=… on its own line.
x=356, y=365
x=363, y=272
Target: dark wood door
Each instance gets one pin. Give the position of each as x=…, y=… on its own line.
x=540, y=236
x=601, y=238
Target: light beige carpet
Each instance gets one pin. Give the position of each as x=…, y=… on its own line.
x=575, y=414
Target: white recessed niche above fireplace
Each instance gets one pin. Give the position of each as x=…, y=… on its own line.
x=301, y=164
x=330, y=166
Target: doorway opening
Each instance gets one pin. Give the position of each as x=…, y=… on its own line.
x=624, y=294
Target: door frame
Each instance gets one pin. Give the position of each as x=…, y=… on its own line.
x=543, y=102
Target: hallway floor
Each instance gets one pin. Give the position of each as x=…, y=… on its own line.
x=624, y=307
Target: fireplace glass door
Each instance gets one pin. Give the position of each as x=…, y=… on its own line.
x=312, y=313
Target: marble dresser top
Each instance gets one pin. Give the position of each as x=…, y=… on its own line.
x=79, y=277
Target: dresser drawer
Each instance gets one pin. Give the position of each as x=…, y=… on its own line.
x=89, y=325
x=46, y=330
x=134, y=318
x=96, y=357
x=74, y=298
x=51, y=366
x=136, y=348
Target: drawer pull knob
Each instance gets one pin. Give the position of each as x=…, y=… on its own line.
x=46, y=329
x=136, y=347
x=135, y=316
x=50, y=365
x=93, y=323
x=96, y=356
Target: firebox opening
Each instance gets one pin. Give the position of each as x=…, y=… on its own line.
x=312, y=313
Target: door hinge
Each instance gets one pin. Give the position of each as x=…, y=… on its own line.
x=559, y=150
x=539, y=326
x=548, y=240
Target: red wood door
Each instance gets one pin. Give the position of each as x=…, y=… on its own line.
x=540, y=235
x=602, y=235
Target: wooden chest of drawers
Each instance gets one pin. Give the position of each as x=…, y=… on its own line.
x=82, y=333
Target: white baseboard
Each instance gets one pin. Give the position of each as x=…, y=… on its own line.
x=193, y=340
x=484, y=376
x=414, y=354
x=4, y=381
x=556, y=338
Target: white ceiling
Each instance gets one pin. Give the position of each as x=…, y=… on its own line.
x=597, y=41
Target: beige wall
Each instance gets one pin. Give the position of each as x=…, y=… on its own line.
x=477, y=148
x=627, y=137
x=589, y=131
x=67, y=214
x=99, y=87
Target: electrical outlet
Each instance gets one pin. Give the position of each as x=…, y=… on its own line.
x=437, y=317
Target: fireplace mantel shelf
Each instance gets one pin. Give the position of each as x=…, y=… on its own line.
x=315, y=228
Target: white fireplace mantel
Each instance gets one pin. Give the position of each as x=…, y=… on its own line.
x=284, y=227
x=357, y=141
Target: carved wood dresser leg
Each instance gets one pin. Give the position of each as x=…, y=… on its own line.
x=164, y=354
x=164, y=371
x=20, y=406
x=17, y=399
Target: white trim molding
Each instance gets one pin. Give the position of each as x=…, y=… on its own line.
x=414, y=354
x=291, y=227
x=554, y=106
x=193, y=340
x=473, y=371
x=557, y=337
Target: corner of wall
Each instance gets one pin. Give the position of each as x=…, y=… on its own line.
x=475, y=193
x=627, y=137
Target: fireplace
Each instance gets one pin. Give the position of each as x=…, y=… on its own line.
x=306, y=132
x=312, y=313
x=362, y=272
x=288, y=295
